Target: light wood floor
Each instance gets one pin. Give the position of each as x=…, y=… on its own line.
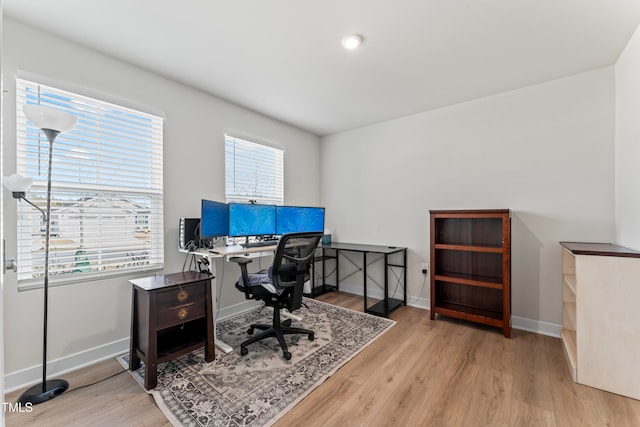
x=419, y=373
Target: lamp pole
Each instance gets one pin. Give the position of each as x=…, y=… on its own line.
x=52, y=122
x=48, y=389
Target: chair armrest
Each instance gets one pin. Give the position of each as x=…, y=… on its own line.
x=242, y=262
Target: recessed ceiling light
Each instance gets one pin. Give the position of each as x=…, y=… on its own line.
x=351, y=41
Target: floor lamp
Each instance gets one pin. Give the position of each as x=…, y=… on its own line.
x=52, y=122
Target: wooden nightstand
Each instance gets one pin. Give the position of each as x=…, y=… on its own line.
x=171, y=315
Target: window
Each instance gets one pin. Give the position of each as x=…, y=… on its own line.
x=253, y=172
x=107, y=195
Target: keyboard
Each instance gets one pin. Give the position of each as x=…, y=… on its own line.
x=260, y=244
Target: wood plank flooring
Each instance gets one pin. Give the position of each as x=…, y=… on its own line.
x=420, y=373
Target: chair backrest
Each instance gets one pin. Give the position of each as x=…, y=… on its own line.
x=292, y=262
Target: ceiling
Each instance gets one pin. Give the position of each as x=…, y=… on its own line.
x=283, y=58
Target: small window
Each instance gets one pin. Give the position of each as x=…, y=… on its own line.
x=253, y=172
x=107, y=190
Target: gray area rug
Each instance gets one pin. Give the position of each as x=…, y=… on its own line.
x=257, y=389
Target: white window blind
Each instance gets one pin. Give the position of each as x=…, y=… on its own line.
x=253, y=172
x=107, y=190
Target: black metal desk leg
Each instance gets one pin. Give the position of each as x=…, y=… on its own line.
x=405, y=277
x=386, y=285
x=337, y=270
x=364, y=272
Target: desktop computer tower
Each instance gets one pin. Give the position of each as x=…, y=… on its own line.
x=189, y=233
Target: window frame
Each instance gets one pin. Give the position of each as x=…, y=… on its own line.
x=249, y=150
x=125, y=186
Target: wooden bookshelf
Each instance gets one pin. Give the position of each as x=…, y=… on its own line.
x=471, y=266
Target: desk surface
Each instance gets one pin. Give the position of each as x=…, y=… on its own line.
x=240, y=250
x=230, y=251
x=602, y=249
x=357, y=247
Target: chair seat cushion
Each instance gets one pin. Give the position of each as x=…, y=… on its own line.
x=263, y=279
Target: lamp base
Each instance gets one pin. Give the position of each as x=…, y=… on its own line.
x=36, y=395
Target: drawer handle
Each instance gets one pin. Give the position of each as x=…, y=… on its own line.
x=182, y=296
x=182, y=313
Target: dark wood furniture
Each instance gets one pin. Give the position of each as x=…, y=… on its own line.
x=471, y=266
x=171, y=315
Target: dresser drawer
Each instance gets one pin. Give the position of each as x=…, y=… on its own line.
x=182, y=314
x=178, y=296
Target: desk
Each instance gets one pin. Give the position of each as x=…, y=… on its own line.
x=226, y=251
x=333, y=251
x=329, y=251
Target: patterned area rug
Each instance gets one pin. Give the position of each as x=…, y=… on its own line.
x=257, y=389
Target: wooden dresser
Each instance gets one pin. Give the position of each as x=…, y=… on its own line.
x=171, y=315
x=601, y=316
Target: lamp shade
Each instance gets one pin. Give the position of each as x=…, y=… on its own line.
x=17, y=183
x=49, y=118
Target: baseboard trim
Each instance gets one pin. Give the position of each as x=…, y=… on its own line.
x=521, y=323
x=236, y=309
x=423, y=303
x=536, y=326
x=33, y=375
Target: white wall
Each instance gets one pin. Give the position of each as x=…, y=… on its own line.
x=627, y=159
x=2, y=255
x=545, y=151
x=91, y=319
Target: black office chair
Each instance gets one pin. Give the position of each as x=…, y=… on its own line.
x=281, y=286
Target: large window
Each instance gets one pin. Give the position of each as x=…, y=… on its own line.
x=107, y=196
x=253, y=172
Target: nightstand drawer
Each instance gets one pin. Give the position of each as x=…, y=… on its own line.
x=184, y=295
x=182, y=314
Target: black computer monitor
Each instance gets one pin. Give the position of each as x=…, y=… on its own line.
x=293, y=219
x=214, y=219
x=251, y=220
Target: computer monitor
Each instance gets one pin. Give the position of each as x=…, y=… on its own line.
x=214, y=219
x=293, y=219
x=251, y=220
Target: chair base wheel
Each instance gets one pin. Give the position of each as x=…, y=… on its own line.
x=243, y=351
x=287, y=355
x=250, y=331
x=312, y=337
